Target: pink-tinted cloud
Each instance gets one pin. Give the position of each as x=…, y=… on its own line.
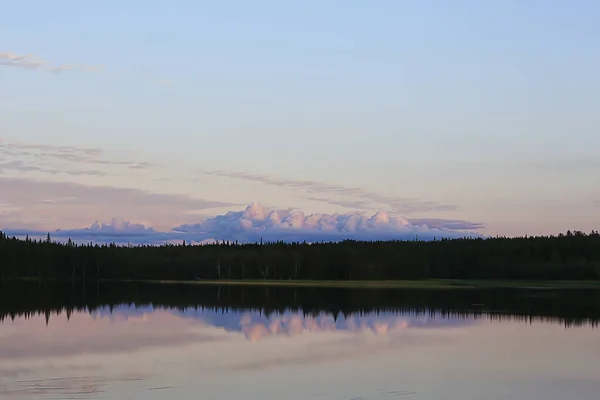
x=257, y=223
x=116, y=227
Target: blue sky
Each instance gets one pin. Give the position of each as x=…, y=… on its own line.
x=484, y=112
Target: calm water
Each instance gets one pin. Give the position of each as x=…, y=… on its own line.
x=169, y=342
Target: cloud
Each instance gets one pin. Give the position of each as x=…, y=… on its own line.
x=53, y=162
x=117, y=227
x=352, y=204
x=6, y=209
x=324, y=192
x=67, y=160
x=35, y=204
x=257, y=222
x=30, y=62
x=22, y=166
x=452, y=224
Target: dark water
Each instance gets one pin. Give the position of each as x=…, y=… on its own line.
x=136, y=341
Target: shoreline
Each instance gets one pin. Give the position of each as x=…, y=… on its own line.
x=389, y=284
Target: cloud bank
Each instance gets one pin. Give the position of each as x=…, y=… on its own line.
x=257, y=223
x=28, y=61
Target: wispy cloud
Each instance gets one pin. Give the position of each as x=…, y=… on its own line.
x=24, y=166
x=355, y=198
x=453, y=224
x=27, y=157
x=352, y=204
x=33, y=203
x=31, y=62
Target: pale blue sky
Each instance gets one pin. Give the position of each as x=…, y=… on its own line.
x=488, y=109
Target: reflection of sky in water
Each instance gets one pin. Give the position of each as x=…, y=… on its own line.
x=154, y=353
x=255, y=325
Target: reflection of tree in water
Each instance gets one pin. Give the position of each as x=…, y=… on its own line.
x=568, y=307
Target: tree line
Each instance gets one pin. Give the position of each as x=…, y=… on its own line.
x=570, y=256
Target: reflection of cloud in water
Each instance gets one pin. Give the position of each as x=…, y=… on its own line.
x=76, y=387
x=126, y=329
x=347, y=348
x=255, y=325
x=385, y=332
x=138, y=330
x=16, y=372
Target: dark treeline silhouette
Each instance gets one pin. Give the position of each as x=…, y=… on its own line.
x=567, y=307
x=574, y=256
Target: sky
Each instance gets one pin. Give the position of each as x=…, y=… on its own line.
x=445, y=118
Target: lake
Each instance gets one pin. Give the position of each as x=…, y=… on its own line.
x=141, y=341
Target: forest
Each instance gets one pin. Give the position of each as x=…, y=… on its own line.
x=570, y=256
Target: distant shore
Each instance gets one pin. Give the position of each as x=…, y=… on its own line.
x=389, y=284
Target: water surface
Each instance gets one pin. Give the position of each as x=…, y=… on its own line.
x=186, y=342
